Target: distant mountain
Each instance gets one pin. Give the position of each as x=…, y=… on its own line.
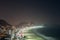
x=3, y=22
x=24, y=24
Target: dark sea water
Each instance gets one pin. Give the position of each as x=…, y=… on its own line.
x=50, y=31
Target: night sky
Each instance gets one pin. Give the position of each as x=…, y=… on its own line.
x=36, y=11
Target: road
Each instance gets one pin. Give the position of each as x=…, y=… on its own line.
x=30, y=35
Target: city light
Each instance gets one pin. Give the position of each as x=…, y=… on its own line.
x=24, y=31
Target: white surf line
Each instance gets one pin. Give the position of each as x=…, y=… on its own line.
x=45, y=37
x=29, y=28
x=36, y=27
x=25, y=29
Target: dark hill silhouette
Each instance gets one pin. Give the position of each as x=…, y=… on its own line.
x=3, y=23
x=4, y=28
